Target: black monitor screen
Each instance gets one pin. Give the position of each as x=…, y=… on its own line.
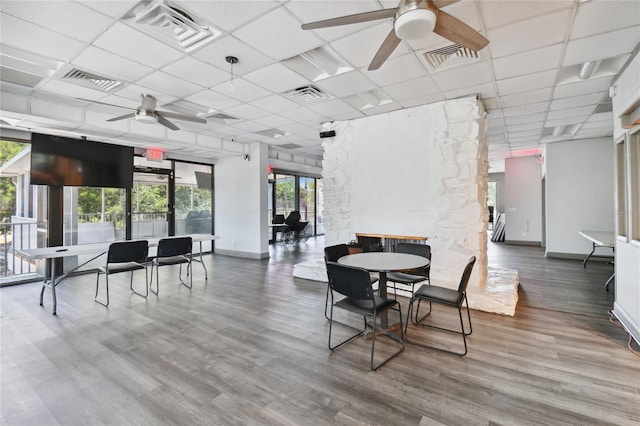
x=59, y=161
x=203, y=180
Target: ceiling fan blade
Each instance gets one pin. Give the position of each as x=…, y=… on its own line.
x=122, y=117
x=166, y=123
x=182, y=117
x=388, y=46
x=458, y=32
x=444, y=3
x=351, y=19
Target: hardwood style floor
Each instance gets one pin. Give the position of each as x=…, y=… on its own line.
x=249, y=347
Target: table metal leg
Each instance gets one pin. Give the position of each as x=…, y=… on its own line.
x=609, y=281
x=206, y=275
x=584, y=263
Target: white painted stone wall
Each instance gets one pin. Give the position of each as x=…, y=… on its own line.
x=419, y=171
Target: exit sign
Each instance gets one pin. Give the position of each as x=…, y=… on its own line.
x=155, y=155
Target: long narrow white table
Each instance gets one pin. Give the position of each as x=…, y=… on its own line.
x=599, y=239
x=95, y=249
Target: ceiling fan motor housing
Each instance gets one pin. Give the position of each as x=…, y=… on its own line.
x=144, y=116
x=414, y=19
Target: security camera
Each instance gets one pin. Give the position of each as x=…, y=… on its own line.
x=246, y=157
x=233, y=139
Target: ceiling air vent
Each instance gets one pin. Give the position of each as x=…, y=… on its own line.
x=307, y=95
x=220, y=116
x=450, y=56
x=271, y=133
x=289, y=146
x=167, y=22
x=92, y=80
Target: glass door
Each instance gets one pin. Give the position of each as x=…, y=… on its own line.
x=149, y=205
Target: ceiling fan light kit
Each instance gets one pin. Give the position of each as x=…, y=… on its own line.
x=146, y=117
x=414, y=21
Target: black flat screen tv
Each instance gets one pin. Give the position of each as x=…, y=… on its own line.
x=203, y=180
x=60, y=161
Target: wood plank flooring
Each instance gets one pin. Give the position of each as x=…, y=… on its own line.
x=249, y=347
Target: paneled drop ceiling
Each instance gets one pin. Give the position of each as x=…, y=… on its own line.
x=62, y=61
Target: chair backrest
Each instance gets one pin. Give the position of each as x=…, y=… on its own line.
x=176, y=246
x=354, y=283
x=128, y=251
x=423, y=250
x=464, y=281
x=293, y=218
x=333, y=253
x=278, y=219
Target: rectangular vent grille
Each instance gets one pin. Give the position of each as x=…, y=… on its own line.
x=289, y=146
x=103, y=83
x=307, y=95
x=450, y=56
x=220, y=116
x=271, y=133
x=173, y=25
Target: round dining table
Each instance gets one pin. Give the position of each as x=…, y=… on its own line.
x=383, y=262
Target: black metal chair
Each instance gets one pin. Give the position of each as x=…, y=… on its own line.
x=444, y=296
x=173, y=251
x=355, y=285
x=413, y=277
x=295, y=229
x=332, y=254
x=124, y=256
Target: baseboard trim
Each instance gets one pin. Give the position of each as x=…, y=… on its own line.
x=626, y=321
x=243, y=254
x=523, y=243
x=578, y=256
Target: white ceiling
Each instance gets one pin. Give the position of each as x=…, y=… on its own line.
x=527, y=77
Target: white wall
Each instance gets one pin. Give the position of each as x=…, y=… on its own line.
x=627, y=282
x=499, y=179
x=241, y=204
x=418, y=172
x=523, y=200
x=579, y=194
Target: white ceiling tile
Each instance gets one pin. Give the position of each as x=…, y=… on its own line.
x=483, y=91
x=533, y=61
x=530, y=34
x=250, y=126
x=24, y=35
x=243, y=90
x=498, y=13
x=577, y=101
x=421, y=86
x=396, y=70
x=536, y=125
x=301, y=114
x=583, y=111
x=422, y=100
x=346, y=84
x=246, y=112
x=311, y=11
x=602, y=46
x=461, y=77
x=580, y=88
x=110, y=65
x=602, y=116
x=332, y=108
x=191, y=69
x=392, y=106
x=565, y=121
x=213, y=100
x=249, y=59
x=60, y=16
x=527, y=109
x=360, y=48
x=530, y=81
x=276, y=78
x=113, y=8
x=275, y=104
x=525, y=118
x=519, y=99
x=137, y=46
x=72, y=90
x=274, y=120
x=597, y=17
x=228, y=15
x=166, y=83
x=134, y=93
x=268, y=32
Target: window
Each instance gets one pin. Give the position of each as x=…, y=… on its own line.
x=634, y=184
x=621, y=189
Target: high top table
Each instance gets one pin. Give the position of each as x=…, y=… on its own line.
x=95, y=249
x=383, y=262
x=599, y=239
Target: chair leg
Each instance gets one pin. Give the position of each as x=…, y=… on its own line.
x=146, y=284
x=157, y=290
x=462, y=332
x=358, y=334
x=373, y=342
x=107, y=288
x=190, y=276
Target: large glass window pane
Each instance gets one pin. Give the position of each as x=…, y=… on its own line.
x=319, y=207
x=285, y=201
x=149, y=205
x=193, y=200
x=307, y=196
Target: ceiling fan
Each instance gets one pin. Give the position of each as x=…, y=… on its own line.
x=147, y=113
x=411, y=19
